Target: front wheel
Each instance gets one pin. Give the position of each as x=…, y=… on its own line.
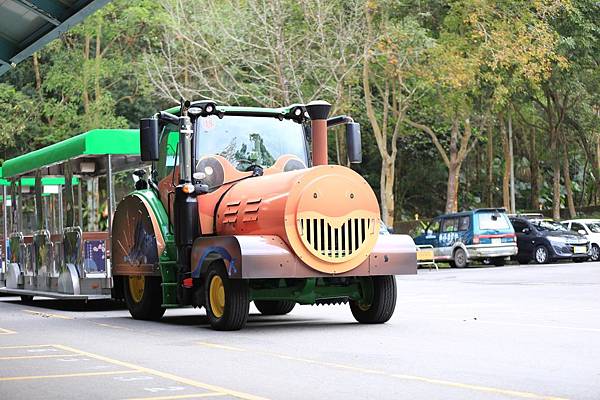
x=382, y=303
x=143, y=296
x=595, y=253
x=541, y=255
x=274, y=307
x=227, y=300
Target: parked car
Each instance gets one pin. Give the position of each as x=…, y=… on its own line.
x=545, y=241
x=590, y=228
x=463, y=237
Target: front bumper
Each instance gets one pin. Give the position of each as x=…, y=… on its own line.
x=567, y=250
x=480, y=251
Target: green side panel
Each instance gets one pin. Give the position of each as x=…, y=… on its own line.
x=306, y=291
x=167, y=260
x=95, y=142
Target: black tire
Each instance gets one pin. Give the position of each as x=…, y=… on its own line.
x=382, y=305
x=499, y=261
x=26, y=298
x=274, y=307
x=149, y=306
x=541, y=255
x=460, y=259
x=523, y=260
x=595, y=253
x=236, y=298
x=580, y=259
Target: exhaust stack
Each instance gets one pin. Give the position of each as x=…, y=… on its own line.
x=318, y=111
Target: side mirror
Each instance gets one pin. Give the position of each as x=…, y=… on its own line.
x=526, y=230
x=149, y=132
x=353, y=142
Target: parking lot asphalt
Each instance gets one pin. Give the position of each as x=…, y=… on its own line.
x=515, y=332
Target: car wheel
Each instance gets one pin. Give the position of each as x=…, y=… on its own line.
x=26, y=298
x=523, y=260
x=274, y=307
x=499, y=261
x=595, y=253
x=379, y=308
x=143, y=297
x=227, y=300
x=460, y=258
x=540, y=255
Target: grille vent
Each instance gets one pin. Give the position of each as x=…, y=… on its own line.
x=332, y=243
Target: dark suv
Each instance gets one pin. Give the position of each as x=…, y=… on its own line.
x=545, y=241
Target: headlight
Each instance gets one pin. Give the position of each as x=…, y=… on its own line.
x=557, y=239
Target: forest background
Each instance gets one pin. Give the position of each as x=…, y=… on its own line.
x=442, y=89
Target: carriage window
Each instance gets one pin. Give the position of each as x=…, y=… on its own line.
x=169, y=139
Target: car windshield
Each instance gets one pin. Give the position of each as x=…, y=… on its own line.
x=594, y=227
x=246, y=141
x=492, y=221
x=542, y=225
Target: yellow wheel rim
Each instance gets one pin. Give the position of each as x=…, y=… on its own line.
x=364, y=307
x=136, y=287
x=217, y=296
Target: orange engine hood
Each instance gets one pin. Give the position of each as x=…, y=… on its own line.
x=328, y=214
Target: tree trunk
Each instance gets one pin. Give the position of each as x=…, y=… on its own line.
x=555, y=175
x=490, y=166
x=568, y=183
x=534, y=167
x=452, y=189
x=507, y=162
x=386, y=190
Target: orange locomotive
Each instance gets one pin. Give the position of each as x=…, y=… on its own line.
x=235, y=211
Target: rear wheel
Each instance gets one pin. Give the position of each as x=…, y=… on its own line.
x=460, y=259
x=227, y=300
x=382, y=303
x=523, y=260
x=595, y=253
x=541, y=255
x=274, y=307
x=499, y=261
x=143, y=296
x=26, y=298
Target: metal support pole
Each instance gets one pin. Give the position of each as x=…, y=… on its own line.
x=61, y=211
x=111, y=206
x=80, y=205
x=4, y=230
x=512, y=166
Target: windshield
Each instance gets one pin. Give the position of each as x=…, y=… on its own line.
x=246, y=141
x=492, y=221
x=542, y=225
x=594, y=227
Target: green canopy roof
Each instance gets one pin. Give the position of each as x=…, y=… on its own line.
x=92, y=143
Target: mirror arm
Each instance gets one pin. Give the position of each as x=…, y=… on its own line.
x=339, y=120
x=167, y=117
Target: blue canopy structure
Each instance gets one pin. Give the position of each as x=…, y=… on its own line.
x=28, y=25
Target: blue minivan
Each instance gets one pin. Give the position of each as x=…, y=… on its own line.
x=481, y=234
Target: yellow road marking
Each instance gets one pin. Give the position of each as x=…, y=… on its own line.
x=38, y=356
x=113, y=326
x=165, y=375
x=480, y=388
x=76, y=375
x=6, y=332
x=43, y=314
x=220, y=346
x=27, y=346
x=182, y=396
x=505, y=392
